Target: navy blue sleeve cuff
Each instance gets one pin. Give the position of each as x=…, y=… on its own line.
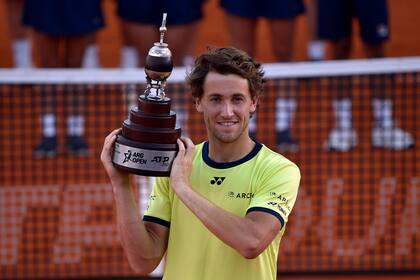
x=156, y=220
x=269, y=211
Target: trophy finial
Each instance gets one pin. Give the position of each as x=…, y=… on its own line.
x=163, y=28
x=158, y=66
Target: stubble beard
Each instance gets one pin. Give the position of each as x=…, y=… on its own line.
x=229, y=137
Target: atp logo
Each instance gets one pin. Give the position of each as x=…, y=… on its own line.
x=217, y=180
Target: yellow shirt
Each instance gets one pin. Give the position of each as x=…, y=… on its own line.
x=261, y=181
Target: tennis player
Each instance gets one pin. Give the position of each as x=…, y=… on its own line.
x=222, y=212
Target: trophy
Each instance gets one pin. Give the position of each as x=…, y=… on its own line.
x=147, y=143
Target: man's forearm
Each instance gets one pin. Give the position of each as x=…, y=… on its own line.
x=136, y=240
x=242, y=234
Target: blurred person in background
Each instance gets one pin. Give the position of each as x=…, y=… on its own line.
x=140, y=22
x=21, y=42
x=242, y=19
x=316, y=50
x=335, y=25
x=62, y=33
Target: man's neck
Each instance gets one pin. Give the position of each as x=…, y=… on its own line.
x=229, y=152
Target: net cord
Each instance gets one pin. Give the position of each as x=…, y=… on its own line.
x=272, y=71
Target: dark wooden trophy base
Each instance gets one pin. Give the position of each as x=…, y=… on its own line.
x=147, y=144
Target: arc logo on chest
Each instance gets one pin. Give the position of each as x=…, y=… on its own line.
x=217, y=180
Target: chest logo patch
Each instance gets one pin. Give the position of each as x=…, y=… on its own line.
x=217, y=180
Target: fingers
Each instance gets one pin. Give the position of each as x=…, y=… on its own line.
x=110, y=139
x=188, y=142
x=181, y=145
x=189, y=146
x=186, y=145
x=108, y=144
x=182, y=165
x=112, y=135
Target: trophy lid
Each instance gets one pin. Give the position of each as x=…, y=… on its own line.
x=160, y=50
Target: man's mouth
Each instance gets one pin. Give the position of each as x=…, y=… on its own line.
x=227, y=123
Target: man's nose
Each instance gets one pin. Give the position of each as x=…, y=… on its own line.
x=227, y=110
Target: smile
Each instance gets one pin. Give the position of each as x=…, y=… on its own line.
x=230, y=123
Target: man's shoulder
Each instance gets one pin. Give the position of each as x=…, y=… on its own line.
x=198, y=149
x=274, y=160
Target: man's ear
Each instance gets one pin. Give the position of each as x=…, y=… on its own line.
x=254, y=105
x=198, y=107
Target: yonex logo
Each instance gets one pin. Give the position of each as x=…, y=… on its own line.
x=217, y=180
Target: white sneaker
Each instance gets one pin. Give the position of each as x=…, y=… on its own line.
x=392, y=138
x=341, y=140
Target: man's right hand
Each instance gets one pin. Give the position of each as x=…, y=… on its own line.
x=116, y=176
x=144, y=242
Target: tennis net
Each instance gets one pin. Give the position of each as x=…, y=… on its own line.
x=351, y=126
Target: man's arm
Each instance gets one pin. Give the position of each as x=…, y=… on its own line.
x=144, y=242
x=249, y=235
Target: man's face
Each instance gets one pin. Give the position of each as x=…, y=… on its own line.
x=226, y=105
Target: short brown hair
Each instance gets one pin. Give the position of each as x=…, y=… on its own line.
x=226, y=61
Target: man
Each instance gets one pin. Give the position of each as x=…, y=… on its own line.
x=222, y=212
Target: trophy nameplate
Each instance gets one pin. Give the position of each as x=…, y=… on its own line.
x=147, y=143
